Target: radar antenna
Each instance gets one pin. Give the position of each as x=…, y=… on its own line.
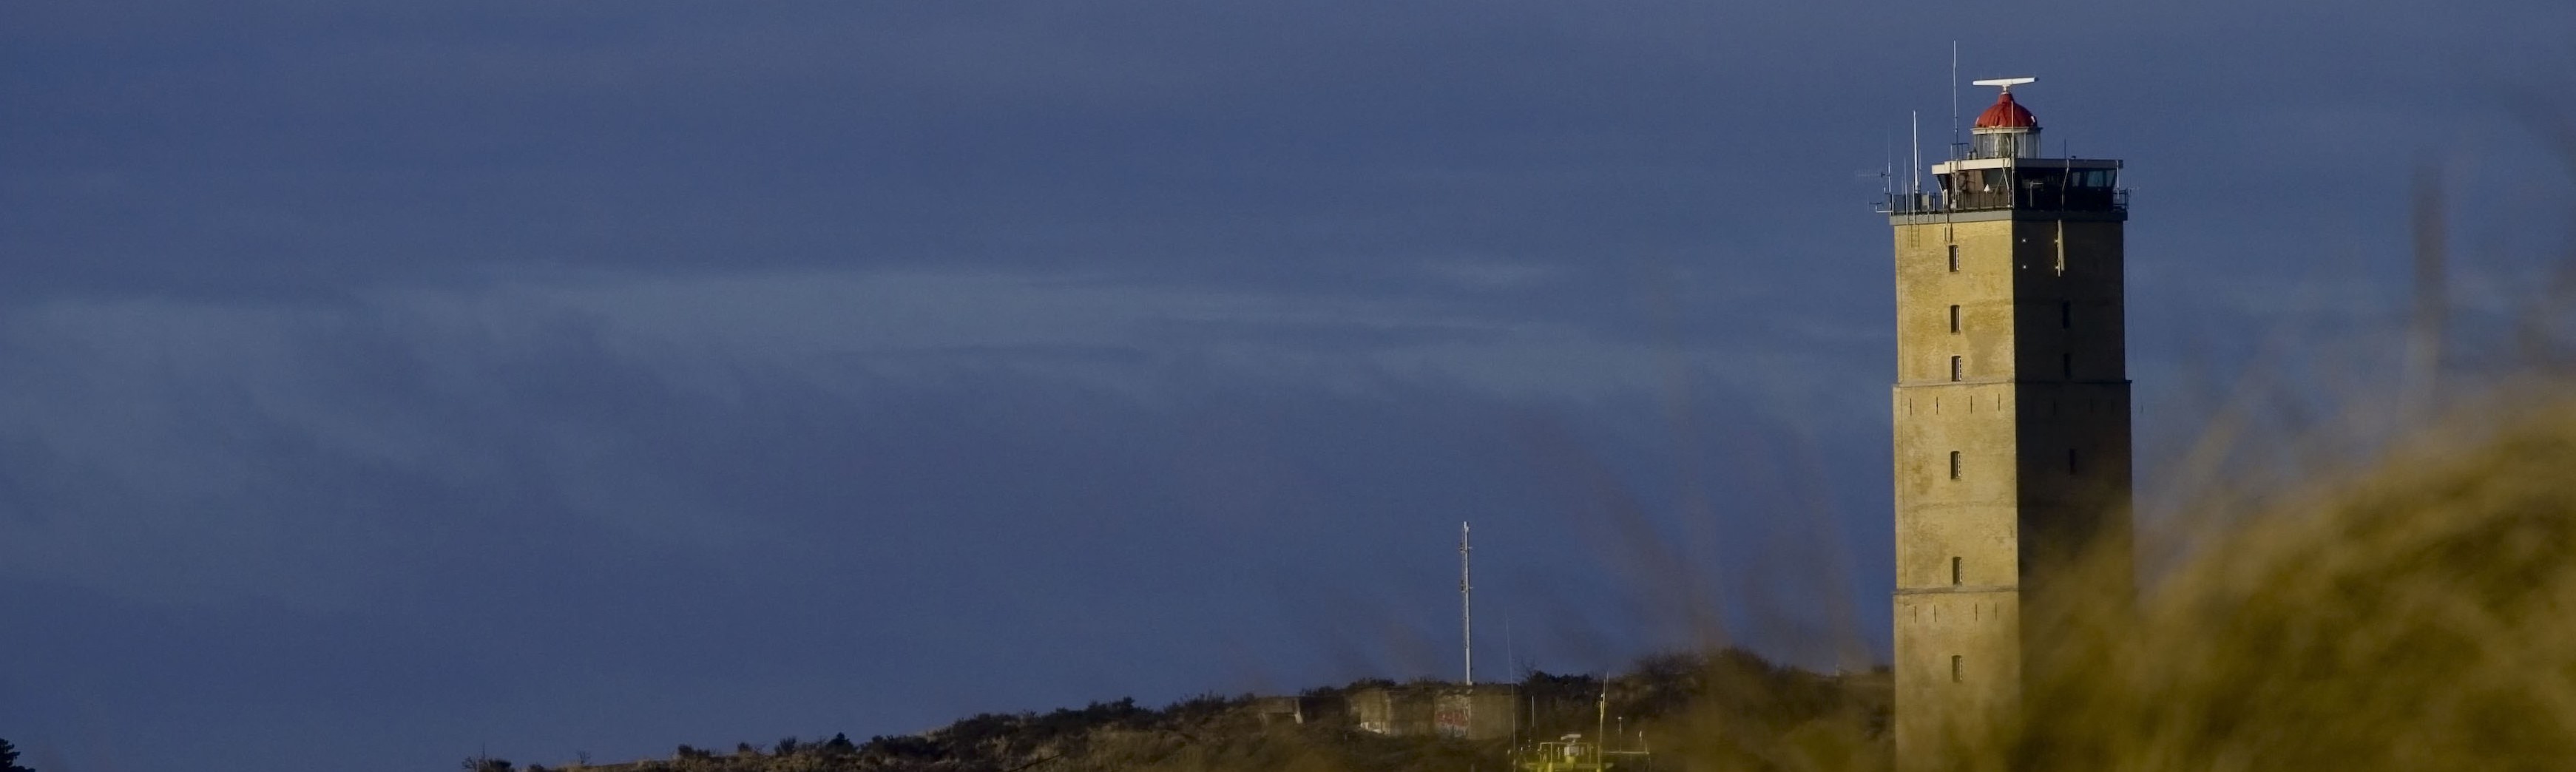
x=2006, y=83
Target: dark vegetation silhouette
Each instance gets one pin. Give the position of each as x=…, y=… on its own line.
x=1731, y=703
x=9, y=758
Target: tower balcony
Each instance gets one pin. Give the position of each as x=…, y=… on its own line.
x=2089, y=186
x=2102, y=200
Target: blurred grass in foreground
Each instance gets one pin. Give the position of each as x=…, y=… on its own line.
x=2412, y=614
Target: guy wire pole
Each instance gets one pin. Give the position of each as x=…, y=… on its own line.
x=1466, y=607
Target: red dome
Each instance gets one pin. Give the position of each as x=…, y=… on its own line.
x=2006, y=114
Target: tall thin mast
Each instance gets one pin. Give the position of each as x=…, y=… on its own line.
x=1466, y=606
x=1954, y=100
x=1887, y=177
x=1601, y=725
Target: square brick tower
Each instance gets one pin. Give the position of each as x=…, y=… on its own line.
x=2012, y=420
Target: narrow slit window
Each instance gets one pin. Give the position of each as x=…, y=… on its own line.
x=1954, y=465
x=1954, y=368
x=1954, y=320
x=1954, y=258
x=2065, y=315
x=1954, y=571
x=1958, y=669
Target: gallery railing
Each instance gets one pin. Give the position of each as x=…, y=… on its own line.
x=2043, y=199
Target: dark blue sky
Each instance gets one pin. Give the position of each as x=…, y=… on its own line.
x=387, y=381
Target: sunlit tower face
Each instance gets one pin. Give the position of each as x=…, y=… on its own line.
x=2011, y=416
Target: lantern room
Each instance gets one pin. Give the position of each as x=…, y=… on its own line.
x=2006, y=129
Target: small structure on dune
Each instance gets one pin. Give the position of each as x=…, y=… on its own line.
x=1478, y=712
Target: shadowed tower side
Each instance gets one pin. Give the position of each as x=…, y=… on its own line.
x=2011, y=418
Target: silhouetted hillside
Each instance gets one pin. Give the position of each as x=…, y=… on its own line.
x=9, y=758
x=1728, y=704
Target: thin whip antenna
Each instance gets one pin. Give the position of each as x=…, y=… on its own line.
x=1914, y=172
x=1954, y=100
x=1601, y=724
x=1466, y=606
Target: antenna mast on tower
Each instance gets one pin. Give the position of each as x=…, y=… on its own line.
x=1954, y=100
x=1466, y=606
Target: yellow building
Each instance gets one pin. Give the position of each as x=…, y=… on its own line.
x=2012, y=420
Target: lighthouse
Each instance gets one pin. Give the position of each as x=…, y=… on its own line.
x=2011, y=406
